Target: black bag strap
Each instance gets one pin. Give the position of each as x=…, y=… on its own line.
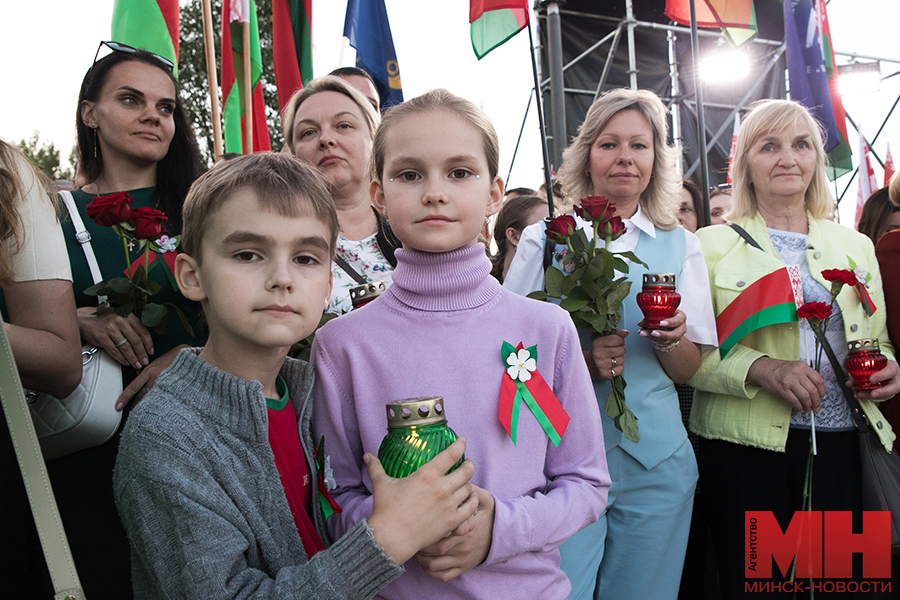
x=747, y=237
x=349, y=270
x=387, y=241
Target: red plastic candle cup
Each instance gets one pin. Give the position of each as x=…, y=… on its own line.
x=863, y=359
x=365, y=293
x=658, y=299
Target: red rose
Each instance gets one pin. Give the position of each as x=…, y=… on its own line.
x=614, y=228
x=842, y=276
x=814, y=310
x=596, y=208
x=110, y=210
x=561, y=228
x=148, y=223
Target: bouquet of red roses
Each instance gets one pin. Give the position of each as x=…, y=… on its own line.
x=588, y=287
x=143, y=226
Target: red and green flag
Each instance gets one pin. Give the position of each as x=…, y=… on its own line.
x=291, y=46
x=839, y=156
x=736, y=18
x=234, y=14
x=148, y=24
x=493, y=22
x=771, y=300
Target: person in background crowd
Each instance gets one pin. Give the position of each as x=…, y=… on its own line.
x=133, y=136
x=887, y=251
x=39, y=320
x=362, y=81
x=331, y=125
x=691, y=215
x=621, y=153
x=519, y=191
x=879, y=215
x=516, y=214
x=753, y=409
x=719, y=203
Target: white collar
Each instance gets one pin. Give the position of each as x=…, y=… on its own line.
x=638, y=219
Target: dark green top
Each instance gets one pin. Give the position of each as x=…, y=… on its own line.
x=110, y=255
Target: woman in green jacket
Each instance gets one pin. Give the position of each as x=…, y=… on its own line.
x=754, y=408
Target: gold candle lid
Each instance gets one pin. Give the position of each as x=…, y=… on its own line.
x=659, y=279
x=366, y=292
x=415, y=412
x=862, y=345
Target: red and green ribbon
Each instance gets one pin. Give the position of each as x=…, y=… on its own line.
x=770, y=300
x=866, y=299
x=328, y=504
x=536, y=394
x=168, y=257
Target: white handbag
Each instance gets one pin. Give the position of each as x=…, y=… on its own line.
x=87, y=417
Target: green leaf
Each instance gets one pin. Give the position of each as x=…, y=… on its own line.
x=125, y=309
x=597, y=322
x=182, y=317
x=573, y=304
x=578, y=273
x=620, y=265
x=601, y=304
x=121, y=285
x=613, y=407
x=568, y=284
x=631, y=256
x=99, y=289
x=152, y=314
x=591, y=288
x=539, y=295
x=580, y=294
x=617, y=295
x=151, y=286
x=553, y=279
x=579, y=241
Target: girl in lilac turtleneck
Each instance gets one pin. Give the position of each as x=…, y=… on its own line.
x=446, y=328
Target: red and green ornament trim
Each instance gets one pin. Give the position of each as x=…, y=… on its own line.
x=522, y=383
x=325, y=481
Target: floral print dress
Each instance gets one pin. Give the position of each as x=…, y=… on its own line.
x=367, y=259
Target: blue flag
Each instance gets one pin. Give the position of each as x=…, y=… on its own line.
x=366, y=26
x=807, y=75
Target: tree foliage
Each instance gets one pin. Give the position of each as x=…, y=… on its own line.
x=45, y=157
x=192, y=71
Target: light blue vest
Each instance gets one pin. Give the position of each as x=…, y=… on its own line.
x=650, y=394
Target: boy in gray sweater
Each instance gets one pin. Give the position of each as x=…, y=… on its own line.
x=216, y=481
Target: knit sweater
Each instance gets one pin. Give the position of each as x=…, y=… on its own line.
x=438, y=331
x=199, y=494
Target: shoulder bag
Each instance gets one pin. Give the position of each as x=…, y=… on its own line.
x=87, y=417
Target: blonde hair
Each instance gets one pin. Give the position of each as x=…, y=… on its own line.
x=894, y=188
x=435, y=100
x=282, y=184
x=660, y=200
x=767, y=117
x=13, y=165
x=328, y=83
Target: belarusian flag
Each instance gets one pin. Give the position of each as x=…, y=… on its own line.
x=495, y=21
x=839, y=156
x=734, y=135
x=888, y=166
x=234, y=14
x=148, y=24
x=868, y=183
x=736, y=18
x=291, y=46
x=771, y=300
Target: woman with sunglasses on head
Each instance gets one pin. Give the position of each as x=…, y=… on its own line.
x=133, y=136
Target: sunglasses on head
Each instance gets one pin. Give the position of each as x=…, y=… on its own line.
x=722, y=187
x=117, y=47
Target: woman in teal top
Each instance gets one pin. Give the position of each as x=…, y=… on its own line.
x=133, y=135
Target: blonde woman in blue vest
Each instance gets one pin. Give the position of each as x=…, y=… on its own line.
x=753, y=409
x=636, y=549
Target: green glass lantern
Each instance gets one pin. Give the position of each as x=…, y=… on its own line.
x=417, y=432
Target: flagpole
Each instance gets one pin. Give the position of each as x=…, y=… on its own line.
x=540, y=113
x=519, y=140
x=701, y=113
x=248, y=91
x=212, y=79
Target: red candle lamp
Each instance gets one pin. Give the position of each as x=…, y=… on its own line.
x=863, y=359
x=658, y=299
x=365, y=293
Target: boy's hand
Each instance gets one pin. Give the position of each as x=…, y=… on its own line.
x=466, y=547
x=414, y=512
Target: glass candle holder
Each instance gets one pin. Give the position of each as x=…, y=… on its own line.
x=417, y=432
x=863, y=359
x=365, y=293
x=658, y=299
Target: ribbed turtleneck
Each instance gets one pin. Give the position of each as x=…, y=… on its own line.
x=445, y=281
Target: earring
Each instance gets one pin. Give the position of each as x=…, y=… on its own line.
x=587, y=173
x=95, y=142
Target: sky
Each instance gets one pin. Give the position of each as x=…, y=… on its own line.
x=48, y=45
